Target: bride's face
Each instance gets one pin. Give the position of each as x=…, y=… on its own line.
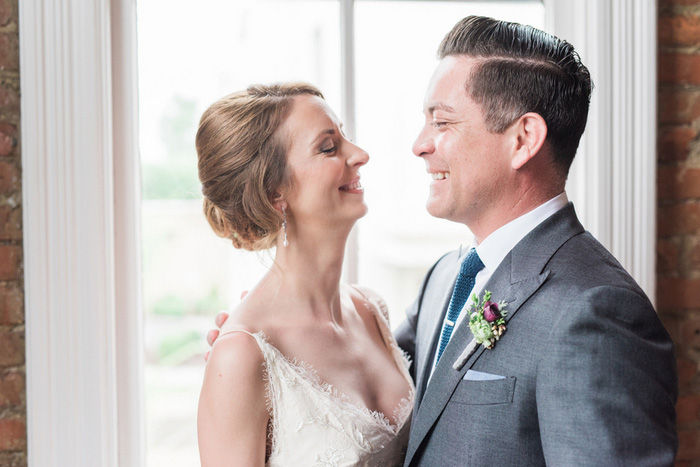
x=324, y=166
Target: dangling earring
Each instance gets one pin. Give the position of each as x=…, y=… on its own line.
x=284, y=226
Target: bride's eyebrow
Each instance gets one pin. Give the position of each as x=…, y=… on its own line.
x=323, y=134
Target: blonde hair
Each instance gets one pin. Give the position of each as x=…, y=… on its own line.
x=242, y=162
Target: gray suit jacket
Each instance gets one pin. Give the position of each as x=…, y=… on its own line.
x=584, y=376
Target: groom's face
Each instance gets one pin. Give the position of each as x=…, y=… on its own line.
x=468, y=164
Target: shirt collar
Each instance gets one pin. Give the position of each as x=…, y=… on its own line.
x=496, y=246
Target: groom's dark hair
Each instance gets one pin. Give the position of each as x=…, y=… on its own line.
x=521, y=69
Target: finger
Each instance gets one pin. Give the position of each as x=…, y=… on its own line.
x=212, y=335
x=221, y=318
x=206, y=356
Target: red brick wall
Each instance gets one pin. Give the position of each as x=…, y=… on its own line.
x=678, y=243
x=13, y=438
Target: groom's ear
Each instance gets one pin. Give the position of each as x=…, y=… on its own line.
x=530, y=132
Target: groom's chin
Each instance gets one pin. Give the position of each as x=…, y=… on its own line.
x=436, y=208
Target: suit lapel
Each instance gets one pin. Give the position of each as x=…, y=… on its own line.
x=445, y=378
x=516, y=295
x=520, y=275
x=435, y=307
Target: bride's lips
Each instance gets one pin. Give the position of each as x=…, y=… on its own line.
x=353, y=187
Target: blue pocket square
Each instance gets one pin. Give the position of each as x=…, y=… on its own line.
x=480, y=376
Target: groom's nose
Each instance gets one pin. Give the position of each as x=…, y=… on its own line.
x=424, y=143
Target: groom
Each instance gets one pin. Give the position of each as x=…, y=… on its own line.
x=584, y=373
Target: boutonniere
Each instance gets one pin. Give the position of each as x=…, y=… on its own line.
x=486, y=319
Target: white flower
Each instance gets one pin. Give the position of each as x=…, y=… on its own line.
x=482, y=331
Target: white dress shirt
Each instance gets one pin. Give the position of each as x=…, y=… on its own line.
x=496, y=246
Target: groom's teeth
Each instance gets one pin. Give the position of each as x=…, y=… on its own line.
x=440, y=175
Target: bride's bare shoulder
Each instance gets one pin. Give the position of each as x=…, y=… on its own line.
x=236, y=349
x=252, y=315
x=232, y=402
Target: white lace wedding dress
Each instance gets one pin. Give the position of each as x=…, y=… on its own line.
x=312, y=424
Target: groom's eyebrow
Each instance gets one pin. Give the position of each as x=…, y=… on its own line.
x=440, y=106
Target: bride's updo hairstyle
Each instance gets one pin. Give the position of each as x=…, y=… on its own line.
x=243, y=163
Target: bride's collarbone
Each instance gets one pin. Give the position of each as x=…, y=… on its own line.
x=351, y=355
x=357, y=367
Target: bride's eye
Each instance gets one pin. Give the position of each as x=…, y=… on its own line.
x=329, y=150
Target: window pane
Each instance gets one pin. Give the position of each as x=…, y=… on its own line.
x=398, y=239
x=190, y=54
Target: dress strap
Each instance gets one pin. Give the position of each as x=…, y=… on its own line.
x=377, y=307
x=258, y=336
x=376, y=303
x=238, y=330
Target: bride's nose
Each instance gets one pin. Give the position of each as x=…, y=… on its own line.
x=358, y=156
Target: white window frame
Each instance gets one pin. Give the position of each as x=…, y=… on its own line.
x=81, y=201
x=80, y=188
x=613, y=179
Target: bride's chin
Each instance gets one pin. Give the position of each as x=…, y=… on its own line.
x=361, y=213
x=354, y=212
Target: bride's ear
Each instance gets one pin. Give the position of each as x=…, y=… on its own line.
x=278, y=202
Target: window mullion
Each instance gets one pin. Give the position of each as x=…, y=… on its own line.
x=348, y=99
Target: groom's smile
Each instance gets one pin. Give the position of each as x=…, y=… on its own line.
x=467, y=163
x=440, y=175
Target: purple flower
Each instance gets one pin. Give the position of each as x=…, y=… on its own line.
x=491, y=311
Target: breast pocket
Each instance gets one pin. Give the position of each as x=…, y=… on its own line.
x=490, y=392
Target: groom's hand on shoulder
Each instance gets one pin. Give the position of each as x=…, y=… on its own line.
x=219, y=321
x=213, y=334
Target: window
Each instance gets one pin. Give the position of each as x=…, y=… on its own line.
x=189, y=273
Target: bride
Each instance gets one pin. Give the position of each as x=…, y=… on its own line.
x=305, y=370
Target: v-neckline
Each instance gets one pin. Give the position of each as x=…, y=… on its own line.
x=308, y=374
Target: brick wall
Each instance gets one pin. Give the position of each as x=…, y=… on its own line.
x=13, y=438
x=678, y=183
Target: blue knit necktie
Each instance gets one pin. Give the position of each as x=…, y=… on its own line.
x=465, y=283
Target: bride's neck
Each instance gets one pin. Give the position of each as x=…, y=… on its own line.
x=310, y=268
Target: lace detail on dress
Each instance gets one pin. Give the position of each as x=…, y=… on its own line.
x=270, y=442
x=307, y=373
x=314, y=424
x=404, y=409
